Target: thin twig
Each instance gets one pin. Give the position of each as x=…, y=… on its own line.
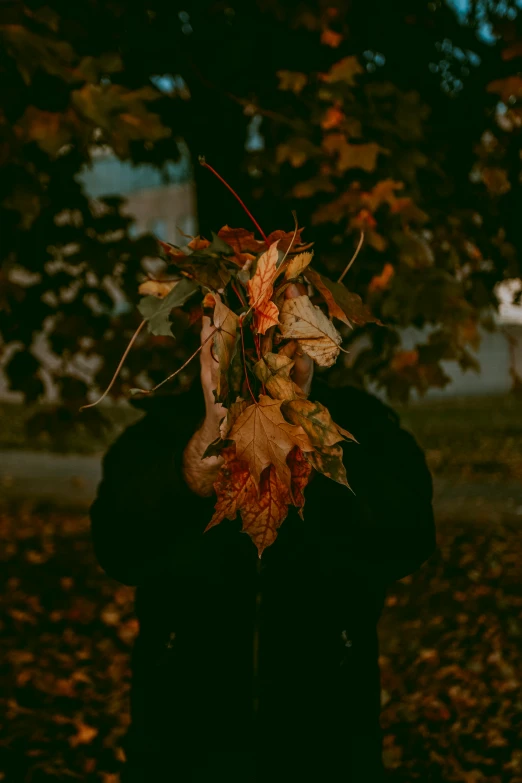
x=361, y=240
x=204, y=163
x=154, y=388
x=118, y=368
x=238, y=293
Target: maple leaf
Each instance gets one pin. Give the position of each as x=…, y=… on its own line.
x=300, y=470
x=315, y=333
x=156, y=311
x=297, y=265
x=328, y=460
x=263, y=437
x=341, y=302
x=225, y=344
x=240, y=240
x=264, y=510
x=158, y=288
x=260, y=288
x=274, y=371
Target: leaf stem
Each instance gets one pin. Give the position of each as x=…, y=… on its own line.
x=118, y=368
x=173, y=375
x=361, y=240
x=204, y=163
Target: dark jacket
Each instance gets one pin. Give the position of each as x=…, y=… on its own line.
x=273, y=664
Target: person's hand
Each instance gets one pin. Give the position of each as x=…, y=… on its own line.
x=303, y=369
x=209, y=373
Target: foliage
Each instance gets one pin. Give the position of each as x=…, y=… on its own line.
x=408, y=129
x=270, y=435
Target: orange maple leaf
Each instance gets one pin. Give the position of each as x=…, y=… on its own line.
x=260, y=289
x=262, y=512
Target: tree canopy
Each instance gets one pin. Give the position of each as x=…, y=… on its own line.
x=401, y=120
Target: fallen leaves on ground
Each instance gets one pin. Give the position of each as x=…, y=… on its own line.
x=450, y=657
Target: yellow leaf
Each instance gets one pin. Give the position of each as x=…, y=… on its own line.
x=159, y=288
x=274, y=371
x=317, y=336
x=292, y=80
x=297, y=265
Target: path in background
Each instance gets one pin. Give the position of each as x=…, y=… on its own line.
x=70, y=481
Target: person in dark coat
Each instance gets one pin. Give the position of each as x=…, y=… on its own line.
x=258, y=670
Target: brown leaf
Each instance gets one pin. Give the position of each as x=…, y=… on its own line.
x=198, y=243
x=292, y=80
x=352, y=156
x=316, y=421
x=240, y=240
x=260, y=289
x=263, y=437
x=338, y=298
x=262, y=511
x=343, y=71
x=297, y=265
x=328, y=460
x=274, y=371
x=335, y=311
x=159, y=288
x=317, y=336
x=301, y=470
x=284, y=239
x=224, y=344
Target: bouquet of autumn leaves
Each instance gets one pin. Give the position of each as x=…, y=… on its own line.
x=272, y=436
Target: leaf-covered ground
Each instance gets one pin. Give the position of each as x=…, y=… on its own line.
x=450, y=657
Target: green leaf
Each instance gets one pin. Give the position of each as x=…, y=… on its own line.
x=156, y=311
